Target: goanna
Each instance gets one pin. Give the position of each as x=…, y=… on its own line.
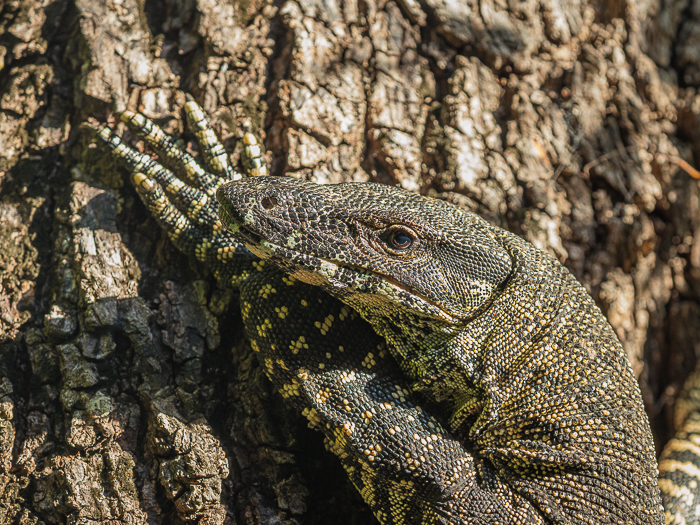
x=319, y=353
x=498, y=339
x=496, y=335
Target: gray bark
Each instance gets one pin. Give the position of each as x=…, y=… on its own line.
x=128, y=393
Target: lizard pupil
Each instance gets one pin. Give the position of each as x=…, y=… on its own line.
x=400, y=240
x=268, y=202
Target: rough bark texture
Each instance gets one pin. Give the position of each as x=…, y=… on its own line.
x=127, y=391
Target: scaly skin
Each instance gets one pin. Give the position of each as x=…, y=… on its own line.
x=319, y=353
x=494, y=333
x=501, y=343
x=679, y=464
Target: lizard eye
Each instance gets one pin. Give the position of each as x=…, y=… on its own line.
x=268, y=202
x=400, y=239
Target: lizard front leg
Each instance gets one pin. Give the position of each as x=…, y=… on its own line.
x=320, y=354
x=188, y=213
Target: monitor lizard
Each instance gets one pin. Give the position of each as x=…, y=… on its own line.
x=509, y=398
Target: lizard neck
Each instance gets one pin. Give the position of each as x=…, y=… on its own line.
x=456, y=368
x=442, y=362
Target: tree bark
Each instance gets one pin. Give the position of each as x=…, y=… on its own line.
x=128, y=393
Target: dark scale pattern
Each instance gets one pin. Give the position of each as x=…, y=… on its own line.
x=679, y=464
x=488, y=387
x=495, y=335
x=405, y=465
x=324, y=358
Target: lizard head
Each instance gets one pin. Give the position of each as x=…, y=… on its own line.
x=378, y=248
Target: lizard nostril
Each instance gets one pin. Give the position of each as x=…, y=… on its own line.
x=268, y=202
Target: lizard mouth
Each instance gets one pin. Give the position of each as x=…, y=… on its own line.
x=336, y=277
x=248, y=219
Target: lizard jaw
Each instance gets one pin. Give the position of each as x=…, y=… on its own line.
x=264, y=217
x=345, y=282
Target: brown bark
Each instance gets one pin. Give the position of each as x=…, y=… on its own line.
x=127, y=391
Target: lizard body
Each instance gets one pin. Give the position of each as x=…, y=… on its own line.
x=319, y=353
x=525, y=411
x=493, y=332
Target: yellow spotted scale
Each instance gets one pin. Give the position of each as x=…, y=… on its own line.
x=319, y=354
x=495, y=394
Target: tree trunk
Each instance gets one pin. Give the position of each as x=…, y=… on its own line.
x=128, y=393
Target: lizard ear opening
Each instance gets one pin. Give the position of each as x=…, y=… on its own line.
x=483, y=268
x=460, y=268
